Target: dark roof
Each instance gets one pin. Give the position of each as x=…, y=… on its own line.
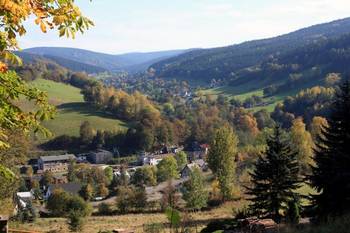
x=190, y=166
x=72, y=188
x=57, y=157
x=101, y=151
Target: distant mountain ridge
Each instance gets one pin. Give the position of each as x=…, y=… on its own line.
x=225, y=63
x=131, y=62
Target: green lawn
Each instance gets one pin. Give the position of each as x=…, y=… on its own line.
x=72, y=110
x=246, y=92
x=59, y=93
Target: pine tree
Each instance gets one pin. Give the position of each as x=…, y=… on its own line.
x=275, y=178
x=331, y=174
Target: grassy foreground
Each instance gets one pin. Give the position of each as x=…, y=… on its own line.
x=72, y=110
x=129, y=221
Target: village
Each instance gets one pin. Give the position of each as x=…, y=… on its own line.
x=57, y=167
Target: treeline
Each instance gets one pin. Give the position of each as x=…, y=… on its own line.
x=36, y=68
x=307, y=104
x=296, y=69
x=240, y=63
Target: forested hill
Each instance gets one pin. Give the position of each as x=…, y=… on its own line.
x=299, y=68
x=131, y=62
x=30, y=58
x=223, y=63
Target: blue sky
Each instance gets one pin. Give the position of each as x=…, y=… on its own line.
x=151, y=25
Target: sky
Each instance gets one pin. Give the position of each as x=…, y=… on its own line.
x=123, y=26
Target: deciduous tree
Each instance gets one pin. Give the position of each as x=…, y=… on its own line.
x=221, y=159
x=194, y=192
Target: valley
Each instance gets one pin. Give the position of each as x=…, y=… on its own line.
x=247, y=137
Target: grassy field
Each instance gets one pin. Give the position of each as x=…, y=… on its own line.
x=129, y=221
x=72, y=110
x=242, y=94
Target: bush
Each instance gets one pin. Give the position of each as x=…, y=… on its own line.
x=104, y=209
x=75, y=221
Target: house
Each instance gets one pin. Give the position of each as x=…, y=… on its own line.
x=57, y=163
x=100, y=157
x=72, y=188
x=197, y=151
x=188, y=169
x=153, y=159
x=201, y=164
x=23, y=199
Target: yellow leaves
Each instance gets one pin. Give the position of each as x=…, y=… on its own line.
x=43, y=27
x=3, y=67
x=37, y=21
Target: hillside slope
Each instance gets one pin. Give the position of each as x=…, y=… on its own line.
x=223, y=63
x=131, y=62
x=72, y=110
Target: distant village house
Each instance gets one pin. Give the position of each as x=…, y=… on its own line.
x=100, y=157
x=57, y=163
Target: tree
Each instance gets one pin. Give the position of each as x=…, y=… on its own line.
x=109, y=174
x=64, y=16
x=221, y=159
x=87, y=192
x=302, y=142
x=104, y=209
x=124, y=199
x=181, y=159
x=263, y=119
x=145, y=176
x=330, y=176
x=87, y=133
x=167, y=169
x=7, y=187
x=102, y=191
x=170, y=197
x=275, y=177
x=57, y=203
x=293, y=212
x=140, y=198
x=99, y=139
x=316, y=126
x=194, y=192
x=77, y=211
x=47, y=179
x=75, y=221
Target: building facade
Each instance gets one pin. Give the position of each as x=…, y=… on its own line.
x=54, y=164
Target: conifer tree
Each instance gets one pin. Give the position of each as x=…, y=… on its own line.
x=275, y=178
x=331, y=174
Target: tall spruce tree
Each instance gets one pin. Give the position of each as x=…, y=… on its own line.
x=331, y=174
x=275, y=178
